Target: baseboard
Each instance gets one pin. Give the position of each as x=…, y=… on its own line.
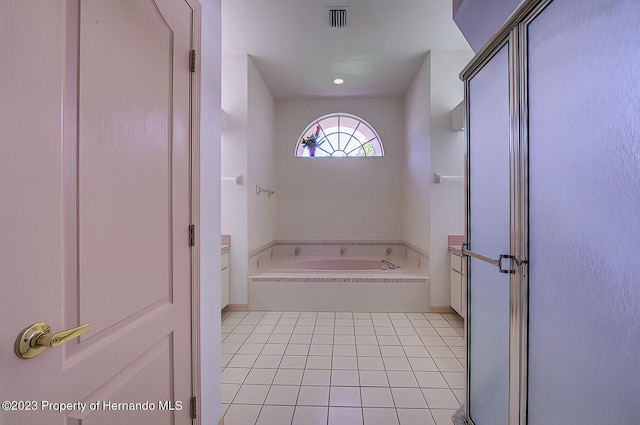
x=236, y=307
x=441, y=309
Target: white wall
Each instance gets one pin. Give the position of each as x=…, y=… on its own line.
x=261, y=215
x=247, y=149
x=234, y=163
x=417, y=175
x=209, y=51
x=447, y=159
x=339, y=198
x=433, y=211
x=480, y=19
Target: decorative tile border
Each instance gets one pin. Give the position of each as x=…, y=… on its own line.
x=381, y=243
x=338, y=279
x=416, y=249
x=340, y=243
x=262, y=249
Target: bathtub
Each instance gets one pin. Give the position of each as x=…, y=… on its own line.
x=334, y=264
x=332, y=283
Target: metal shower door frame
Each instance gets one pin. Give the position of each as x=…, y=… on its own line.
x=514, y=34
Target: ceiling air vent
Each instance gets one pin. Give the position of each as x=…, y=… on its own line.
x=338, y=17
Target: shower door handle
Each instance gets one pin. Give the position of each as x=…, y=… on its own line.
x=496, y=262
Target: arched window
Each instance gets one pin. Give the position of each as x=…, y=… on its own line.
x=339, y=135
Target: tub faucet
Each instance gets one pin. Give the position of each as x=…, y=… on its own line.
x=296, y=251
x=388, y=265
x=343, y=251
x=389, y=251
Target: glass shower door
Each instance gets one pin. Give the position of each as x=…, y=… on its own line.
x=488, y=236
x=584, y=209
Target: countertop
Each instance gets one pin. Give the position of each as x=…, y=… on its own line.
x=225, y=243
x=455, y=244
x=455, y=249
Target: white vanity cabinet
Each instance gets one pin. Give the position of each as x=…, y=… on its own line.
x=457, y=282
x=224, y=281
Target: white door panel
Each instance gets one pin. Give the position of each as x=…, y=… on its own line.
x=94, y=178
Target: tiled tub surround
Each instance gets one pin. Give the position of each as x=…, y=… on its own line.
x=275, y=283
x=341, y=368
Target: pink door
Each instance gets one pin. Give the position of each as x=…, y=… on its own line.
x=95, y=210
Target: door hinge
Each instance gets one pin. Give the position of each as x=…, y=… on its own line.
x=192, y=235
x=192, y=61
x=194, y=408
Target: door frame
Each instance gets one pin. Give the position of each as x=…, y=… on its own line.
x=194, y=185
x=513, y=33
x=205, y=204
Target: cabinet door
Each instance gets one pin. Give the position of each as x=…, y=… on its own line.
x=455, y=291
x=455, y=282
x=225, y=287
x=224, y=281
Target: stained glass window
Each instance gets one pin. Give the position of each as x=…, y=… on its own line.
x=339, y=135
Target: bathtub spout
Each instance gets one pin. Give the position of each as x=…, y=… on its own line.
x=388, y=265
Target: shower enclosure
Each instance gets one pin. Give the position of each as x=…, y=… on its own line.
x=553, y=217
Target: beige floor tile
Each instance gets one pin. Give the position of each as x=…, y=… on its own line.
x=293, y=362
x=373, y=378
x=376, y=397
x=242, y=414
x=449, y=365
x=345, y=378
x=441, y=416
x=316, y=377
x=313, y=396
x=251, y=394
x=234, y=375
x=283, y=395
x=345, y=415
x=271, y=415
x=344, y=396
x=288, y=377
x=371, y=363
x=411, y=398
x=318, y=362
x=440, y=398
x=415, y=417
x=380, y=416
x=455, y=380
x=268, y=361
x=402, y=378
x=431, y=380
x=308, y=415
x=260, y=376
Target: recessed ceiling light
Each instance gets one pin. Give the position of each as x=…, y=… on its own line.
x=338, y=81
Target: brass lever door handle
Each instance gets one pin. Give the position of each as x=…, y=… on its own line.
x=33, y=340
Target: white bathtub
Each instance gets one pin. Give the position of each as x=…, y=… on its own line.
x=337, y=284
x=338, y=264
x=301, y=264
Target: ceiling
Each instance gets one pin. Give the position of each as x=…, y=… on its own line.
x=377, y=53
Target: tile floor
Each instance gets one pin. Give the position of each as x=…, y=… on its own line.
x=308, y=368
